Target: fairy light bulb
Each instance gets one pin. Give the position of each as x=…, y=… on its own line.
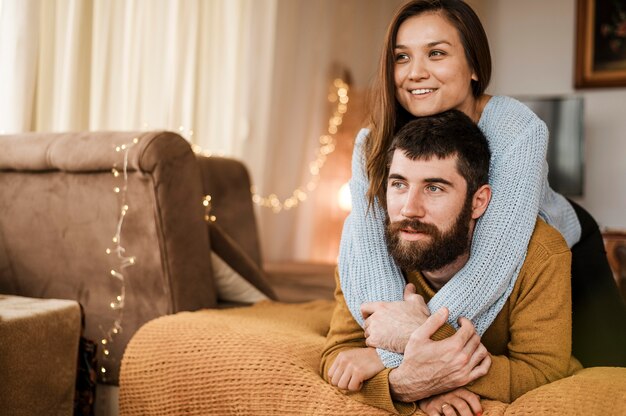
x=124, y=261
x=340, y=98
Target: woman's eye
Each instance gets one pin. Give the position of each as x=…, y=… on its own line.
x=436, y=53
x=401, y=57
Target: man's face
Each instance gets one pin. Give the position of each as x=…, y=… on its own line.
x=429, y=212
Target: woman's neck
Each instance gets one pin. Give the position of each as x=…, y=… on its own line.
x=476, y=110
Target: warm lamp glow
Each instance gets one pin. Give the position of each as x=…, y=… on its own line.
x=344, y=198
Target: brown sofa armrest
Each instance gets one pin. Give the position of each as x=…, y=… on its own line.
x=58, y=213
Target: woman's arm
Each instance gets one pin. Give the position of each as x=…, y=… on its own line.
x=518, y=143
x=345, y=334
x=539, y=323
x=367, y=271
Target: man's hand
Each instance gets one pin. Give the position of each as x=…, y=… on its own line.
x=351, y=368
x=389, y=325
x=433, y=367
x=459, y=401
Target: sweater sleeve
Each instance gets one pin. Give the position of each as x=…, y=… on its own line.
x=540, y=326
x=368, y=273
x=518, y=142
x=345, y=334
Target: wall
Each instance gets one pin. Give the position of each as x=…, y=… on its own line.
x=315, y=42
x=533, y=48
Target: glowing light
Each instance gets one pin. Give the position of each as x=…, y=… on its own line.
x=117, y=304
x=326, y=146
x=344, y=198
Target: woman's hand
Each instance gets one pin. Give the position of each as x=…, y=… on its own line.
x=456, y=402
x=351, y=368
x=389, y=325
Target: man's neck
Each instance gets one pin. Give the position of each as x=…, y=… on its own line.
x=438, y=278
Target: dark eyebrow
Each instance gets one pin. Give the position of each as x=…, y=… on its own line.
x=430, y=44
x=395, y=176
x=438, y=42
x=426, y=180
x=438, y=180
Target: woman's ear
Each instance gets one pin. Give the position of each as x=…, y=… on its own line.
x=480, y=201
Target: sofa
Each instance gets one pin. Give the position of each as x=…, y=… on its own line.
x=121, y=223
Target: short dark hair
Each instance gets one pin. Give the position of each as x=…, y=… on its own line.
x=451, y=133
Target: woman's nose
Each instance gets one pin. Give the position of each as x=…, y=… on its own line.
x=418, y=70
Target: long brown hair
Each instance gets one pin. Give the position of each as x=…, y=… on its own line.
x=387, y=116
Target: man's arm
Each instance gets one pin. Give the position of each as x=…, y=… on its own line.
x=389, y=325
x=345, y=334
x=539, y=349
x=432, y=367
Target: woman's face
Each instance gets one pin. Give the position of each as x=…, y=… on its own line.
x=431, y=72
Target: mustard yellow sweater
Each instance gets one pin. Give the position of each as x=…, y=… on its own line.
x=529, y=341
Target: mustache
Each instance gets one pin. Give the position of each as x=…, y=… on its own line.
x=415, y=225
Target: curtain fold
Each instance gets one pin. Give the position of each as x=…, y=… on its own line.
x=19, y=44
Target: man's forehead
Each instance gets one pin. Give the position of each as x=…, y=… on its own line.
x=401, y=163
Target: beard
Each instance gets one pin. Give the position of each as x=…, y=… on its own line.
x=430, y=254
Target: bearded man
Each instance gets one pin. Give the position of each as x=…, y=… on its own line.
x=437, y=189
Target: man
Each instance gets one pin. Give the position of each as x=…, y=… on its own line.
x=436, y=191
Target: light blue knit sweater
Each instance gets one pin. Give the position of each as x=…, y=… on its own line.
x=518, y=169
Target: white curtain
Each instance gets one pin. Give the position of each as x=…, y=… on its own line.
x=138, y=64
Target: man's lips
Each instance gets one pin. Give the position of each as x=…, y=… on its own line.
x=412, y=235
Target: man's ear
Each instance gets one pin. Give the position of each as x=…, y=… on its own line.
x=480, y=201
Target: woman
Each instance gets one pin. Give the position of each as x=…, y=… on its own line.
x=422, y=72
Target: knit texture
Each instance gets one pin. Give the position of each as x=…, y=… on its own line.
x=259, y=360
x=592, y=391
x=263, y=360
x=518, y=175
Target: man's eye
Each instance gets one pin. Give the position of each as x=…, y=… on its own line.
x=397, y=185
x=433, y=188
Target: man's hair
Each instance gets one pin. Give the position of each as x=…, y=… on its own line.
x=451, y=133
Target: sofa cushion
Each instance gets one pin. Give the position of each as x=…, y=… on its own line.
x=234, y=270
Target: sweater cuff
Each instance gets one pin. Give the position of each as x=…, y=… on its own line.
x=376, y=392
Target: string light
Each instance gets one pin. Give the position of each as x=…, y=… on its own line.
x=122, y=259
x=339, y=97
x=206, y=202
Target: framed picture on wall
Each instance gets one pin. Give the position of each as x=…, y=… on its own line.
x=601, y=43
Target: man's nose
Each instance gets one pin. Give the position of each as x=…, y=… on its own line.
x=413, y=206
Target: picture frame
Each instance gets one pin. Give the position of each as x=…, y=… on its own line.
x=600, y=43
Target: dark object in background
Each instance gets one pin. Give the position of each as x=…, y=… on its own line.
x=86, y=376
x=564, y=118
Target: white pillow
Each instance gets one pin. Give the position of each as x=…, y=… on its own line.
x=231, y=287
